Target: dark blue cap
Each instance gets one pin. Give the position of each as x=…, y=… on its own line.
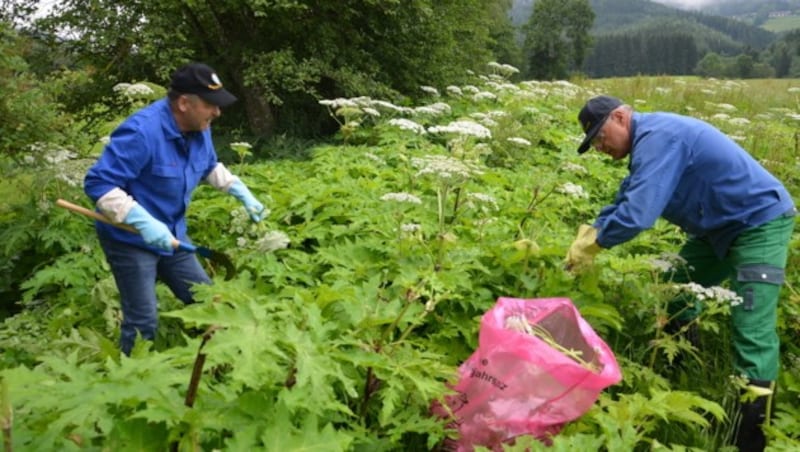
x=592, y=117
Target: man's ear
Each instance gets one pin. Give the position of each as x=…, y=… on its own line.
x=184, y=102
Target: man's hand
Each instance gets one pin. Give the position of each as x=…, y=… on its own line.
x=254, y=208
x=154, y=232
x=583, y=250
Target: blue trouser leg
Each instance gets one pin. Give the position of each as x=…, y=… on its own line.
x=135, y=271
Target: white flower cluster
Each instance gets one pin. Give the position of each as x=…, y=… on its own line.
x=453, y=90
x=574, y=190
x=401, y=197
x=574, y=168
x=739, y=122
x=410, y=227
x=134, y=91
x=273, y=240
x=505, y=69
x=483, y=95
x=407, y=124
x=667, y=262
x=483, y=198
x=721, y=106
x=711, y=293
x=430, y=90
x=467, y=128
x=364, y=104
x=374, y=158
x=339, y=103
x=444, y=167
x=242, y=145
x=436, y=109
x=519, y=141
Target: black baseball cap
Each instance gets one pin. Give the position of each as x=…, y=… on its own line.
x=592, y=117
x=200, y=79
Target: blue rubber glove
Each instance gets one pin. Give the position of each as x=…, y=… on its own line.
x=254, y=208
x=154, y=232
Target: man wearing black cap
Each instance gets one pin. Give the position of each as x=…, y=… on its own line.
x=738, y=217
x=145, y=178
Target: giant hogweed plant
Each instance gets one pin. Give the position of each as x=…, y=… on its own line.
x=397, y=242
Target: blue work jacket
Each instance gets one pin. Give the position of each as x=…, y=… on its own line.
x=694, y=176
x=149, y=158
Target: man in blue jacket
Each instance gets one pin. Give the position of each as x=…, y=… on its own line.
x=738, y=217
x=145, y=178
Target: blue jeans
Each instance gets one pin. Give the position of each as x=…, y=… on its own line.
x=135, y=272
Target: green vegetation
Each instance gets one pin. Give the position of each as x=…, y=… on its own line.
x=432, y=192
x=400, y=240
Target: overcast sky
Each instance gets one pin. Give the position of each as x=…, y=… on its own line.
x=686, y=4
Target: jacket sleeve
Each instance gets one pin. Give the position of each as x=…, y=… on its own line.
x=658, y=161
x=121, y=161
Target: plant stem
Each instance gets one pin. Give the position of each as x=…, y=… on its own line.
x=197, y=370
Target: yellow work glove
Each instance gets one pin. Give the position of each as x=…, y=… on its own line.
x=583, y=250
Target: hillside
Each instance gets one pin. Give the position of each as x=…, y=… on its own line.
x=614, y=15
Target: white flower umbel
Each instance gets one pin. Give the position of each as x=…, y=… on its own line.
x=401, y=197
x=483, y=96
x=574, y=190
x=574, y=168
x=444, y=167
x=666, y=262
x=484, y=199
x=430, y=90
x=242, y=144
x=711, y=293
x=437, y=109
x=466, y=128
x=338, y=103
x=519, y=141
x=375, y=158
x=410, y=227
x=407, y=124
x=453, y=90
x=503, y=69
x=273, y=240
x=133, y=91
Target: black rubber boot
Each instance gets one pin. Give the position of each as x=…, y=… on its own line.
x=754, y=414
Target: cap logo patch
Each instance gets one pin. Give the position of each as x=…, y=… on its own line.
x=217, y=83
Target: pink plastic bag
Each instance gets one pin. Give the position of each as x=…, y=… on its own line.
x=522, y=379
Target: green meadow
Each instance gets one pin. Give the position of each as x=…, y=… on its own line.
x=359, y=296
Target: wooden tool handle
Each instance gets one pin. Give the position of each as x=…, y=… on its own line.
x=92, y=214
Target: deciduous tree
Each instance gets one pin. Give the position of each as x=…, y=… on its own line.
x=557, y=37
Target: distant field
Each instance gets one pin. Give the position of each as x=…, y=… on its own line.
x=780, y=24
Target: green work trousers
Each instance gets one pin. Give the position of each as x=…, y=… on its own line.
x=755, y=266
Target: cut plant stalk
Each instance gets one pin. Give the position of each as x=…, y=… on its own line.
x=197, y=369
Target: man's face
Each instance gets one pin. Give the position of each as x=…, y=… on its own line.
x=197, y=114
x=613, y=139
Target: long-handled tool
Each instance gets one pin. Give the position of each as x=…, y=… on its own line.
x=213, y=256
